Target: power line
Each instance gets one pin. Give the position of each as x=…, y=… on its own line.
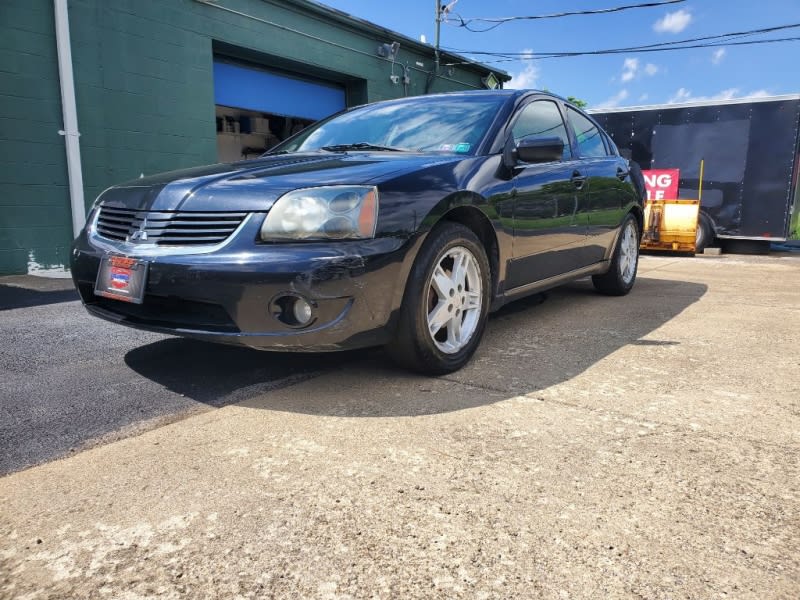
x=624, y=51
x=725, y=39
x=734, y=34
x=496, y=22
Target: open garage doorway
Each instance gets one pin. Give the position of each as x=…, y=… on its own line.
x=258, y=108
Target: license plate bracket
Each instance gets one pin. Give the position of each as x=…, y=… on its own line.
x=121, y=278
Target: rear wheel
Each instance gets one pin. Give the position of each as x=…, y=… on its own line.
x=621, y=275
x=444, y=309
x=705, y=234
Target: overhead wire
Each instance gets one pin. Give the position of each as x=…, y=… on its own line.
x=497, y=21
x=575, y=54
x=726, y=39
x=734, y=34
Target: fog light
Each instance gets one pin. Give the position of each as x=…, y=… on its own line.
x=292, y=310
x=301, y=311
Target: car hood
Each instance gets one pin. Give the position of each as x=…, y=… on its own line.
x=254, y=185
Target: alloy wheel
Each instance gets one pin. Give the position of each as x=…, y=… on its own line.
x=454, y=299
x=629, y=253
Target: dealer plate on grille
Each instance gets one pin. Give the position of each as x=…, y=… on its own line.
x=121, y=278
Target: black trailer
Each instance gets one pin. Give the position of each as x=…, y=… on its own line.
x=751, y=152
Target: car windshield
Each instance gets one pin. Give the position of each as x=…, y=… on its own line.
x=446, y=124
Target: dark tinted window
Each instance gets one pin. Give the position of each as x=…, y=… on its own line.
x=612, y=147
x=542, y=118
x=590, y=141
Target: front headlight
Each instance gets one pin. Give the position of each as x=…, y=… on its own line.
x=330, y=212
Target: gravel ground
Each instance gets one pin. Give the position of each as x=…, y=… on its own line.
x=637, y=447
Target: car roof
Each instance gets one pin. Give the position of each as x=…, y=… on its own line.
x=501, y=93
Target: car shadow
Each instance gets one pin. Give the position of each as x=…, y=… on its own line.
x=219, y=375
x=530, y=344
x=12, y=297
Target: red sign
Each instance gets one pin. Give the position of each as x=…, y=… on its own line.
x=662, y=184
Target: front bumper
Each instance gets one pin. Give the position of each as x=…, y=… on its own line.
x=228, y=295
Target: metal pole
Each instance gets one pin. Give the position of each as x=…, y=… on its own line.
x=70, y=112
x=438, y=27
x=700, y=189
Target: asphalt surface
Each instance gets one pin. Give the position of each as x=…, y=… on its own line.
x=637, y=447
x=70, y=380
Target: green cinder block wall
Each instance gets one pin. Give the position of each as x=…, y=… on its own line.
x=145, y=94
x=35, y=217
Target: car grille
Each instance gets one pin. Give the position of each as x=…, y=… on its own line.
x=167, y=228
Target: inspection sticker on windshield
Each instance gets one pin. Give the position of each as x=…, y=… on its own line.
x=460, y=148
x=121, y=278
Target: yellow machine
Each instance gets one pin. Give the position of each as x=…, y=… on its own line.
x=671, y=225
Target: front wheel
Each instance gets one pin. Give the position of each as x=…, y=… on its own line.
x=621, y=275
x=446, y=303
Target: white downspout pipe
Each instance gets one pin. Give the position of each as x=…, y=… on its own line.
x=70, y=112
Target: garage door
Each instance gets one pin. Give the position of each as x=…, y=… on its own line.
x=271, y=92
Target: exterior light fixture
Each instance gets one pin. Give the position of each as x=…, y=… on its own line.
x=389, y=50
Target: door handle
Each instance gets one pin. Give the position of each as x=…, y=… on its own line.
x=577, y=179
x=622, y=173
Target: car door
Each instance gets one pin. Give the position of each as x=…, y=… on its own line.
x=608, y=190
x=550, y=220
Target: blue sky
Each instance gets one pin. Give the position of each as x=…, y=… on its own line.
x=621, y=79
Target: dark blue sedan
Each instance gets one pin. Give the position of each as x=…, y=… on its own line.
x=399, y=223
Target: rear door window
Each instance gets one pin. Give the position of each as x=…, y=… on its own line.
x=588, y=136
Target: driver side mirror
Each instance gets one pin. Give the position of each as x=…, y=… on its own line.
x=535, y=149
x=531, y=149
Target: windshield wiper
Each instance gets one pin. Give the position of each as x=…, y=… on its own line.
x=360, y=146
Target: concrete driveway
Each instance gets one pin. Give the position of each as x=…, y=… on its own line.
x=637, y=447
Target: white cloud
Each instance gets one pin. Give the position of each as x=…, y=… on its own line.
x=632, y=68
x=528, y=77
x=682, y=95
x=629, y=69
x=728, y=94
x=685, y=95
x=615, y=100
x=717, y=56
x=673, y=22
x=643, y=97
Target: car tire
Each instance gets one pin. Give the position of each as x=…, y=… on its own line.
x=621, y=275
x=446, y=302
x=705, y=234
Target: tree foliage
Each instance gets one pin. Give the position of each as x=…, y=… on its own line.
x=577, y=102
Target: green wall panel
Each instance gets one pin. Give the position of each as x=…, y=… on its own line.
x=34, y=219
